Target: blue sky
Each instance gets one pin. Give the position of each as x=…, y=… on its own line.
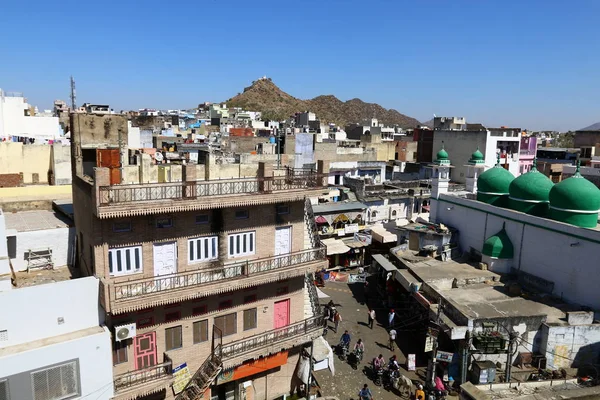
x=533, y=64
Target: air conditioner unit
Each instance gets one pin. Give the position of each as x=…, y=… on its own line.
x=123, y=332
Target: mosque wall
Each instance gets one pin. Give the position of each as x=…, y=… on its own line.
x=564, y=254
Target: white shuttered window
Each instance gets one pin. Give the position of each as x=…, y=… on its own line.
x=125, y=260
x=241, y=244
x=203, y=249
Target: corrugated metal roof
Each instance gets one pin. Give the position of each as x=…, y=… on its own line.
x=325, y=208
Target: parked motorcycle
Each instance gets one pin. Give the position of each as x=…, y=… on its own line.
x=436, y=394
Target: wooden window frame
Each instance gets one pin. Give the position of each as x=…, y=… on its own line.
x=223, y=329
x=197, y=334
x=120, y=352
x=169, y=338
x=255, y=323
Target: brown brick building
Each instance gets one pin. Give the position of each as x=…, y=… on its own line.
x=214, y=275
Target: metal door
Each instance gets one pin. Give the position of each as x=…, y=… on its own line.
x=144, y=350
x=282, y=313
x=165, y=258
x=283, y=240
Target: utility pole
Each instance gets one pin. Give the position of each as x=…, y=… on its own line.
x=435, y=343
x=511, y=343
x=73, y=103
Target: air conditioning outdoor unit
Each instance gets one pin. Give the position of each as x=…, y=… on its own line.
x=123, y=332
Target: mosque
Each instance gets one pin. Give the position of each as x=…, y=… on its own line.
x=546, y=234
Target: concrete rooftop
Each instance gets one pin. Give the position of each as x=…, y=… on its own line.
x=35, y=220
x=480, y=294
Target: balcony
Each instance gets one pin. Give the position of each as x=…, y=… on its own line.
x=142, y=199
x=133, y=384
x=148, y=292
x=271, y=342
x=236, y=353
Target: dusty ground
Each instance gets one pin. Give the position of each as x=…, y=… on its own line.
x=347, y=382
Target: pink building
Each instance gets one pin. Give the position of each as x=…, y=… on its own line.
x=527, y=153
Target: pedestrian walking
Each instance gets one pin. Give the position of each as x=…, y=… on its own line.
x=391, y=317
x=392, y=338
x=337, y=318
x=371, y=317
x=365, y=393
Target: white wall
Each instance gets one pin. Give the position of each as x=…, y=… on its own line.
x=558, y=252
x=95, y=363
x=31, y=313
x=4, y=265
x=16, y=123
x=133, y=136
x=491, y=157
x=561, y=344
x=60, y=240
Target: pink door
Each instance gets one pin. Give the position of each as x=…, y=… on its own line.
x=282, y=313
x=145, y=350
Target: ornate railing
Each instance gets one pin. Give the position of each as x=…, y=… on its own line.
x=311, y=224
x=191, y=190
x=309, y=280
x=131, y=379
x=234, y=349
x=141, y=287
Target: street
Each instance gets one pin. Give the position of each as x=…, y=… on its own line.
x=346, y=383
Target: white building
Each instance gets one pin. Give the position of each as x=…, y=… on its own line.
x=38, y=238
x=53, y=344
x=16, y=119
x=490, y=141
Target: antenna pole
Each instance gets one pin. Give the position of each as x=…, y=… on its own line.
x=73, y=104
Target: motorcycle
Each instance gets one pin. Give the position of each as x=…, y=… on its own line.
x=436, y=394
x=357, y=356
x=391, y=377
x=378, y=376
x=343, y=350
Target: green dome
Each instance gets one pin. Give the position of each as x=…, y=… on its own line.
x=575, y=201
x=575, y=193
x=442, y=157
x=476, y=157
x=532, y=186
x=499, y=246
x=495, y=181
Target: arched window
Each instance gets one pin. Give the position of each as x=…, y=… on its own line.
x=394, y=214
x=374, y=214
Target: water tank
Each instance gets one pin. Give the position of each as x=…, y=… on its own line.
x=272, y=139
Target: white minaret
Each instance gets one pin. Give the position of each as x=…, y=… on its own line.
x=441, y=174
x=440, y=181
x=475, y=167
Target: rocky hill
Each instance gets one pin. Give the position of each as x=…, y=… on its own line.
x=263, y=95
x=593, y=127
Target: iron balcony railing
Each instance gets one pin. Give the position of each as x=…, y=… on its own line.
x=240, y=347
x=132, y=379
x=141, y=287
x=117, y=194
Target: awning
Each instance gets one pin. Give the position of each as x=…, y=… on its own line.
x=321, y=220
x=353, y=244
x=335, y=246
x=384, y=262
x=341, y=218
x=383, y=235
